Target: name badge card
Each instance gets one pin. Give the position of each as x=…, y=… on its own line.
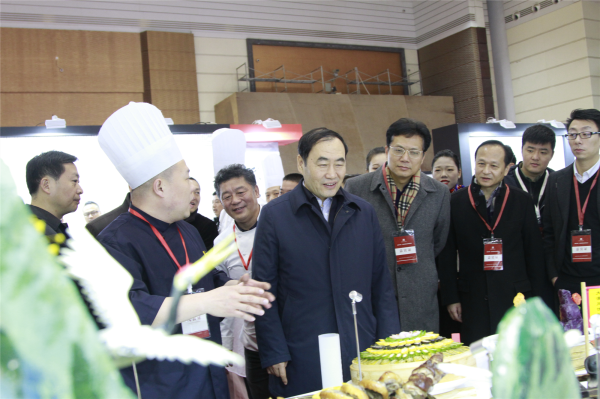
x=197, y=326
x=581, y=245
x=492, y=254
x=404, y=245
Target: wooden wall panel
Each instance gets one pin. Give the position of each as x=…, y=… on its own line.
x=458, y=66
x=302, y=60
x=170, y=80
x=78, y=109
x=361, y=120
x=91, y=62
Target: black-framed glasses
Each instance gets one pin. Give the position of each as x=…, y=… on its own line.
x=400, y=151
x=583, y=135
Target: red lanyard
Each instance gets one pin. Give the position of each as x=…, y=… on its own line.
x=246, y=265
x=581, y=212
x=499, y=215
x=162, y=240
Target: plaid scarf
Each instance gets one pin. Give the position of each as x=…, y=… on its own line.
x=407, y=196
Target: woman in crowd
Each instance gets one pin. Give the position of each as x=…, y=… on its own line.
x=446, y=169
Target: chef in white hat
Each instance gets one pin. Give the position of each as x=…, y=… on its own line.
x=153, y=242
x=273, y=170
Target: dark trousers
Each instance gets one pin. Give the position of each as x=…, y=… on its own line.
x=256, y=376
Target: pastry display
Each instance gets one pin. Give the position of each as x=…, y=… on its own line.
x=403, y=352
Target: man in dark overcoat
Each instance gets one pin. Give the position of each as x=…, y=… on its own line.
x=314, y=245
x=476, y=297
x=420, y=204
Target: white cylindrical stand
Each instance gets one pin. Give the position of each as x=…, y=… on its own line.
x=331, y=360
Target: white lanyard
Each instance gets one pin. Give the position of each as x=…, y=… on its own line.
x=537, y=207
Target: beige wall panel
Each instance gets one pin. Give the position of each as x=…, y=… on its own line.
x=31, y=109
x=592, y=26
x=226, y=111
x=557, y=56
x=213, y=46
x=554, y=95
x=593, y=46
x=546, y=23
x=434, y=111
x=218, y=83
x=91, y=61
x=539, y=44
x=411, y=57
x=219, y=63
x=591, y=10
x=253, y=106
x=374, y=114
x=560, y=111
x=209, y=100
x=207, y=116
x=550, y=77
x=596, y=102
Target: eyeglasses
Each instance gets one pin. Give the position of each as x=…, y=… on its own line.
x=583, y=135
x=399, y=152
x=90, y=213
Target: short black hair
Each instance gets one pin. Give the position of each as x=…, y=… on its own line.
x=372, y=153
x=295, y=177
x=308, y=140
x=191, y=178
x=511, y=154
x=507, y=156
x=50, y=163
x=91, y=203
x=215, y=193
x=539, y=134
x=231, y=172
x=447, y=154
x=585, y=115
x=408, y=127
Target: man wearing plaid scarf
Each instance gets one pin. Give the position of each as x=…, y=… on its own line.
x=409, y=204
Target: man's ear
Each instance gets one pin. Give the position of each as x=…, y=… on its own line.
x=158, y=186
x=46, y=185
x=507, y=169
x=300, y=164
x=459, y=173
x=257, y=191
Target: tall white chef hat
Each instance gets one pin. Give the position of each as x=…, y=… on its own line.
x=138, y=142
x=229, y=147
x=273, y=170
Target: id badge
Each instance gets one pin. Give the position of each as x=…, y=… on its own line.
x=581, y=245
x=197, y=326
x=492, y=254
x=404, y=245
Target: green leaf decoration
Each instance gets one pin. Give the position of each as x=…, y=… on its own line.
x=531, y=359
x=49, y=345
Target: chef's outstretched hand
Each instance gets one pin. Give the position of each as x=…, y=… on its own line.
x=246, y=281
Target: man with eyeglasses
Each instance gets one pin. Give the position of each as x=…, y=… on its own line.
x=414, y=214
x=572, y=216
x=91, y=211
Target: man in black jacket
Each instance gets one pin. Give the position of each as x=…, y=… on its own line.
x=531, y=175
x=100, y=223
x=494, y=230
x=567, y=220
x=207, y=228
x=53, y=182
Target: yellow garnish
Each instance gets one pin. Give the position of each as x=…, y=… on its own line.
x=519, y=300
x=54, y=249
x=60, y=238
x=39, y=225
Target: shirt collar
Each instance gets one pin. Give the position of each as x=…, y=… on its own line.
x=46, y=216
x=587, y=174
x=490, y=201
x=255, y=224
x=159, y=224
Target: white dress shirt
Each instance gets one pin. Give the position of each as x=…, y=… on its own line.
x=587, y=174
x=237, y=333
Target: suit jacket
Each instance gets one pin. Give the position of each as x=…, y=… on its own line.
x=100, y=223
x=312, y=265
x=429, y=216
x=485, y=296
x=556, y=218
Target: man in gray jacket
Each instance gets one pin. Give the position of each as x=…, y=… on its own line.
x=414, y=213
